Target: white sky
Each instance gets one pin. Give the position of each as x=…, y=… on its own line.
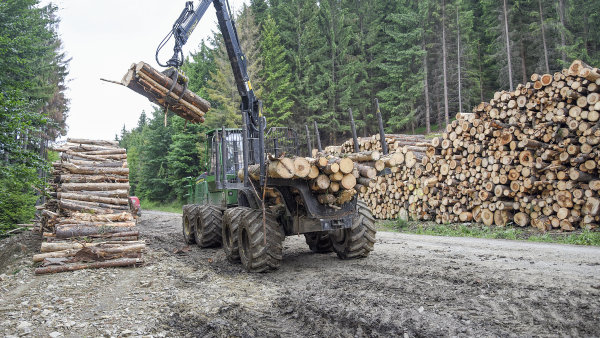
x=104, y=38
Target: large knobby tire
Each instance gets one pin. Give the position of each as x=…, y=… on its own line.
x=260, y=245
x=208, y=226
x=231, y=222
x=319, y=242
x=357, y=241
x=188, y=220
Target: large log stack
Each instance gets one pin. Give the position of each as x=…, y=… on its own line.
x=529, y=156
x=87, y=223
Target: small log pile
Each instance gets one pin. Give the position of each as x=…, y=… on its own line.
x=529, y=156
x=160, y=89
x=87, y=223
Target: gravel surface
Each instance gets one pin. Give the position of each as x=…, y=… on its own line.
x=410, y=285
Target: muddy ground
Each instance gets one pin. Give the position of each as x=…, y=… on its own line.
x=411, y=285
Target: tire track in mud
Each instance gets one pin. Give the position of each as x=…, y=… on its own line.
x=406, y=287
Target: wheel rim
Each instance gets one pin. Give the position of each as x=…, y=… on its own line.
x=245, y=245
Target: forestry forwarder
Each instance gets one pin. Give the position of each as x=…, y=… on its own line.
x=250, y=218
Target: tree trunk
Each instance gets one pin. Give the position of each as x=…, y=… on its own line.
x=444, y=56
x=523, y=65
x=460, y=110
x=508, y=57
x=563, y=41
x=543, y=38
x=81, y=266
x=480, y=61
x=426, y=88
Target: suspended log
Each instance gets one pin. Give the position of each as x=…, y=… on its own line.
x=155, y=86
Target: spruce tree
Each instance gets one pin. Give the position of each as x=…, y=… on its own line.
x=400, y=59
x=276, y=77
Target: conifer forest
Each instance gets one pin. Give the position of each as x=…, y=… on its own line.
x=311, y=60
x=425, y=61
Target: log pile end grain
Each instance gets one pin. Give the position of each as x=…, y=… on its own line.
x=87, y=223
x=529, y=157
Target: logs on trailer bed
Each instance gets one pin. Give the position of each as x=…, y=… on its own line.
x=331, y=178
x=338, y=174
x=528, y=156
x=160, y=89
x=90, y=206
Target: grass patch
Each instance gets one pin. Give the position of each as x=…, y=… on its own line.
x=174, y=206
x=579, y=237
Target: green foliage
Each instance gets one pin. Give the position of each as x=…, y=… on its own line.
x=585, y=237
x=312, y=60
x=154, y=173
x=185, y=156
x=276, y=77
x=17, y=196
x=32, y=103
x=199, y=68
x=399, y=58
x=173, y=206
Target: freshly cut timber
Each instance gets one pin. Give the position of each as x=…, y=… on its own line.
x=528, y=156
x=162, y=90
x=88, y=217
x=80, y=266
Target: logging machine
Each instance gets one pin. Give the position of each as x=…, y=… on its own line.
x=251, y=216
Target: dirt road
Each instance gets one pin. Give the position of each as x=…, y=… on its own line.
x=410, y=285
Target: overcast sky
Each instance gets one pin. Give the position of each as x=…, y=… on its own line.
x=104, y=38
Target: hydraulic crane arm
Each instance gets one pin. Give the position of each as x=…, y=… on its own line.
x=183, y=28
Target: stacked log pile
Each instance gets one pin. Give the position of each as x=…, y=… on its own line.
x=161, y=89
x=529, y=156
x=87, y=223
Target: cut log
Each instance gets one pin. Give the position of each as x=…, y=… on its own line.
x=155, y=86
x=61, y=246
x=80, y=266
x=92, y=198
x=301, y=167
x=345, y=196
x=320, y=183
x=348, y=181
x=80, y=231
x=521, y=219
x=95, y=170
x=103, y=143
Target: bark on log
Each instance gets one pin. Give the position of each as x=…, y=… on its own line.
x=80, y=231
x=80, y=266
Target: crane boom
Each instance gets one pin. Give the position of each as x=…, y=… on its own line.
x=181, y=31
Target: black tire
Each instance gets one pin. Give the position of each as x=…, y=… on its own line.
x=188, y=220
x=255, y=254
x=208, y=226
x=231, y=222
x=319, y=242
x=357, y=241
